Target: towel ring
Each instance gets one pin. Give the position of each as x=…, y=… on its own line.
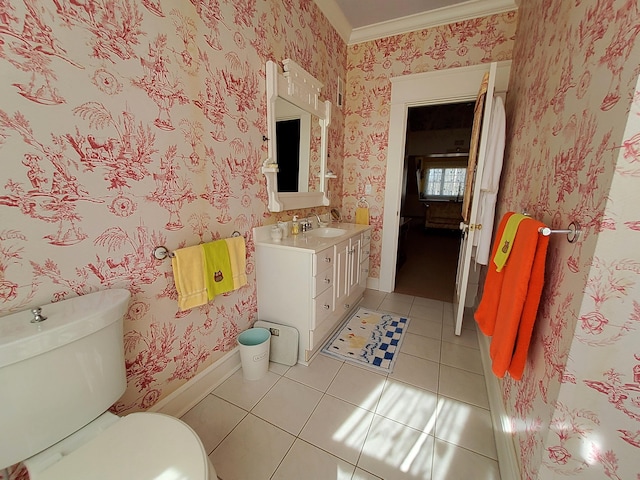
x=362, y=203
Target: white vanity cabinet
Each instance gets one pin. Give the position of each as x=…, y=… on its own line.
x=311, y=283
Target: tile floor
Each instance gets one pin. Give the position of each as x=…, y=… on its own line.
x=429, y=419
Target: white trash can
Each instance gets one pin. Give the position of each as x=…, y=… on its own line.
x=254, y=352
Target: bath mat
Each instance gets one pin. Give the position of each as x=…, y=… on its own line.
x=369, y=338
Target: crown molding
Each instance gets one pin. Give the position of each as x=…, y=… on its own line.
x=441, y=16
x=334, y=14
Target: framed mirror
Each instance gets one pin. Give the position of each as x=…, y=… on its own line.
x=297, y=123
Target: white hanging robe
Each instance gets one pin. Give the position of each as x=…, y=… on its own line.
x=490, y=181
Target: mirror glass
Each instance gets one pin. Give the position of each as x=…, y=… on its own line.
x=297, y=148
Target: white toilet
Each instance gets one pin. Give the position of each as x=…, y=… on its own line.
x=59, y=377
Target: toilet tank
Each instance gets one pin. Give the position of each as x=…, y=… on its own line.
x=60, y=374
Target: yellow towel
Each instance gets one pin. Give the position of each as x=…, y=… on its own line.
x=362, y=216
x=217, y=268
x=506, y=241
x=188, y=275
x=238, y=259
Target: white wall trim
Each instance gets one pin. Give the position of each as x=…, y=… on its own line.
x=188, y=395
x=428, y=88
x=336, y=17
x=432, y=18
x=505, y=448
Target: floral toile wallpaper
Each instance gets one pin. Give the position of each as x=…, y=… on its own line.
x=368, y=96
x=125, y=125
x=573, y=154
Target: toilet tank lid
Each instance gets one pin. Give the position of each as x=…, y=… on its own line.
x=139, y=445
x=67, y=321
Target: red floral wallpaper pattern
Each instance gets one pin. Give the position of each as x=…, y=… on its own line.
x=572, y=155
x=368, y=95
x=125, y=125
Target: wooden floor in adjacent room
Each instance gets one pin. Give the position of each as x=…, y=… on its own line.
x=429, y=269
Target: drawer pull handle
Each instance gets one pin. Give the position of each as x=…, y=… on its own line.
x=327, y=280
x=327, y=259
x=327, y=307
x=347, y=306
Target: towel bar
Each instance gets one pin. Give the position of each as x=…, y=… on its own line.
x=163, y=252
x=573, y=232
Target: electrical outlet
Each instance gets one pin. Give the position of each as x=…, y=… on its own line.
x=367, y=189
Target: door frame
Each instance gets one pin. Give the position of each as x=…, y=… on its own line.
x=453, y=85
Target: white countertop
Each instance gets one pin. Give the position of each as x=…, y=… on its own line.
x=307, y=240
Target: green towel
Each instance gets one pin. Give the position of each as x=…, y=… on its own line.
x=218, y=275
x=506, y=242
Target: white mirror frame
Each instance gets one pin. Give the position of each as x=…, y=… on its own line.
x=298, y=87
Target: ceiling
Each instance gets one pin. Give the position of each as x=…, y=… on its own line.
x=363, y=20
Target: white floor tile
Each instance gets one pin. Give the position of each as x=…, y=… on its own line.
x=253, y=450
x=428, y=312
x=465, y=425
x=467, y=338
x=421, y=346
x=288, y=405
x=463, y=385
x=428, y=419
x=459, y=356
x=245, y=393
x=399, y=306
x=409, y=405
x=358, y=386
x=451, y=462
x=278, y=368
x=416, y=371
x=426, y=328
x=319, y=374
x=395, y=451
x=360, y=474
x=304, y=461
x=212, y=419
x=338, y=427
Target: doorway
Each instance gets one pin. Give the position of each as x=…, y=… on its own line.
x=454, y=85
x=437, y=143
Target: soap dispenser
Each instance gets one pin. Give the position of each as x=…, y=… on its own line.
x=295, y=226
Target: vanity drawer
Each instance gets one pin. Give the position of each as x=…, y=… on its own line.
x=322, y=307
x=322, y=281
x=322, y=261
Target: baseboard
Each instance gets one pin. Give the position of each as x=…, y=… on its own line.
x=188, y=395
x=373, y=283
x=506, y=450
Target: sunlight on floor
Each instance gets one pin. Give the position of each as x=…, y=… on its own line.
x=405, y=406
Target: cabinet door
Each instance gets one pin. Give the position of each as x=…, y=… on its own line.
x=354, y=263
x=341, y=283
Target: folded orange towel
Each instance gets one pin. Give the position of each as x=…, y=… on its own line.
x=511, y=297
x=487, y=310
x=519, y=300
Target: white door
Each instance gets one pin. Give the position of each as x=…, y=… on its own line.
x=470, y=225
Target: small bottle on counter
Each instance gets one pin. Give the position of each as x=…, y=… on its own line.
x=295, y=226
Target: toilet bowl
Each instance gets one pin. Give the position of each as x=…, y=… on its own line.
x=61, y=369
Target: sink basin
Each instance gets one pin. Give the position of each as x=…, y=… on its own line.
x=327, y=232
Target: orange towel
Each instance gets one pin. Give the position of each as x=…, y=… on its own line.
x=509, y=305
x=488, y=309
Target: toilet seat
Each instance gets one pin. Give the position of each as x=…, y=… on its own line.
x=137, y=446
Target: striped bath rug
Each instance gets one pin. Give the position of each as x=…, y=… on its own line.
x=369, y=338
